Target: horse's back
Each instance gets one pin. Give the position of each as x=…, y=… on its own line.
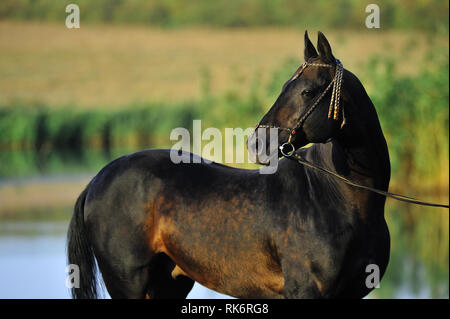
x=198, y=214
x=128, y=175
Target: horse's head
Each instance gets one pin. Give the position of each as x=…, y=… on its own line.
x=308, y=108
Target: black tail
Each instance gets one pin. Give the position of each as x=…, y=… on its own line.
x=80, y=253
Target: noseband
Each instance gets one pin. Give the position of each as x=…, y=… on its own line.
x=287, y=149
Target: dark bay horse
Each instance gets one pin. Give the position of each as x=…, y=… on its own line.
x=154, y=227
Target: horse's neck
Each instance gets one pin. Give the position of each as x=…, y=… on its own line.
x=359, y=152
x=361, y=146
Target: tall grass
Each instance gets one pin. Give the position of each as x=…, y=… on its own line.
x=238, y=13
x=414, y=114
x=41, y=128
x=413, y=111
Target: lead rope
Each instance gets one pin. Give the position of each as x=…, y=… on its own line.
x=333, y=111
x=398, y=197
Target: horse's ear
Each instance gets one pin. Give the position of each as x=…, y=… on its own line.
x=324, y=49
x=310, y=50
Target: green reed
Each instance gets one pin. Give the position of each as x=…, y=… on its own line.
x=431, y=15
x=413, y=111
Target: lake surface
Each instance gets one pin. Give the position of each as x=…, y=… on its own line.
x=39, y=200
x=33, y=261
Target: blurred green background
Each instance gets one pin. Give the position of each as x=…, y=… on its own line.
x=430, y=15
x=73, y=99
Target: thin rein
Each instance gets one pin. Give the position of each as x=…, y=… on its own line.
x=335, y=85
x=398, y=197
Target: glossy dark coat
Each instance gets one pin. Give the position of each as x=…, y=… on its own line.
x=155, y=227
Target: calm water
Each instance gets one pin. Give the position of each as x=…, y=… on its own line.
x=33, y=261
x=32, y=247
x=32, y=265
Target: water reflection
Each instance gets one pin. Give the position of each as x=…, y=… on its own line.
x=33, y=261
x=32, y=238
x=32, y=265
x=418, y=266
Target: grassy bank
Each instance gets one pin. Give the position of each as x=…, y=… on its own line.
x=111, y=67
x=413, y=111
x=414, y=114
x=237, y=13
x=40, y=128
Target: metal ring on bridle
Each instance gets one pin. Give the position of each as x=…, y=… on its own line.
x=288, y=153
x=333, y=111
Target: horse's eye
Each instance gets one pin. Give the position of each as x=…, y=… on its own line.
x=307, y=92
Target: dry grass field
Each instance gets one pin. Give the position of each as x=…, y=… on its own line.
x=110, y=66
x=106, y=66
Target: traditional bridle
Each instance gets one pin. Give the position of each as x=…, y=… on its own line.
x=287, y=149
x=336, y=83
